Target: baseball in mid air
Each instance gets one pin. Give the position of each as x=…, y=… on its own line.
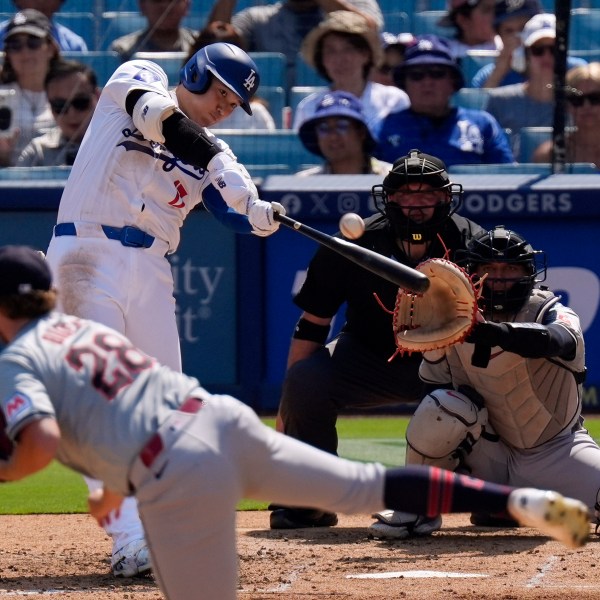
x=352, y=226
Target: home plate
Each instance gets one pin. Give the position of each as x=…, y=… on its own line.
x=414, y=574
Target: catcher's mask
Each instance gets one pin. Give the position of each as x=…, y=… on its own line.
x=229, y=64
x=500, y=245
x=416, y=170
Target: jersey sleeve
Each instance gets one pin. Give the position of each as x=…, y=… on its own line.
x=434, y=368
x=565, y=317
x=136, y=75
x=23, y=397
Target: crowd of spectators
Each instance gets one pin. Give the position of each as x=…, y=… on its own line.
x=343, y=45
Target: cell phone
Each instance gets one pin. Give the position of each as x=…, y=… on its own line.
x=8, y=107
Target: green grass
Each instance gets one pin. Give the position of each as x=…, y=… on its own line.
x=59, y=490
x=56, y=489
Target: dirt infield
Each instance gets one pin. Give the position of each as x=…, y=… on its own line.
x=67, y=557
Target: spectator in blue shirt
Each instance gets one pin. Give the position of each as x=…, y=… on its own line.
x=68, y=41
x=430, y=75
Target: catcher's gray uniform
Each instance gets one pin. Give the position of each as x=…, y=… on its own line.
x=188, y=456
x=534, y=407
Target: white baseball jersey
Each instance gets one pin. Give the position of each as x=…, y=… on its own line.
x=119, y=178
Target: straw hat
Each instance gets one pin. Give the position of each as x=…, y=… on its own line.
x=341, y=21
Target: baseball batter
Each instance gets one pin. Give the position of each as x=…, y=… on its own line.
x=143, y=165
x=523, y=366
x=80, y=392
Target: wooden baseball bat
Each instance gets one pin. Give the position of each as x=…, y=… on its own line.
x=395, y=272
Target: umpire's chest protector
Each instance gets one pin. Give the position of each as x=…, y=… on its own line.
x=529, y=400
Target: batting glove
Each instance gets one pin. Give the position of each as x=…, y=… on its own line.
x=233, y=182
x=260, y=215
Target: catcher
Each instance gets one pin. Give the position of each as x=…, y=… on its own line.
x=417, y=204
x=506, y=402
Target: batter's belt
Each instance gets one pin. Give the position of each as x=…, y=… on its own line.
x=147, y=462
x=128, y=236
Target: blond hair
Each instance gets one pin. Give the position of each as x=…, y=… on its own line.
x=589, y=72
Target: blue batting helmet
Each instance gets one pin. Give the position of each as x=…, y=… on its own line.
x=229, y=64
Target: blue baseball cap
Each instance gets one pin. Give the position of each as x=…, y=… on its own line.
x=428, y=50
x=506, y=9
x=333, y=104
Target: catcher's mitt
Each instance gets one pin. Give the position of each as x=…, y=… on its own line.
x=441, y=316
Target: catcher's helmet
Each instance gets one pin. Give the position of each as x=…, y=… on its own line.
x=505, y=246
x=229, y=64
x=409, y=173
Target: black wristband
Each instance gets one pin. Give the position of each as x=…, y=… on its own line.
x=311, y=332
x=488, y=334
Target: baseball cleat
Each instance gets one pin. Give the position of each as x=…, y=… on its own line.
x=564, y=519
x=131, y=560
x=397, y=525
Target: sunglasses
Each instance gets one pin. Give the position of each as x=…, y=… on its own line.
x=541, y=50
x=31, y=42
x=60, y=105
x=578, y=100
x=341, y=126
x=420, y=74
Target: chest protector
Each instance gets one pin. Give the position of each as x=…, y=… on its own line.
x=529, y=400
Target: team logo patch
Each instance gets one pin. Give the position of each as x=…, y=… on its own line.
x=146, y=76
x=180, y=194
x=16, y=405
x=250, y=81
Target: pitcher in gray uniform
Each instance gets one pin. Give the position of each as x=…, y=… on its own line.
x=521, y=370
x=80, y=392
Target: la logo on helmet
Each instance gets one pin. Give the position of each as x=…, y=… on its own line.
x=250, y=81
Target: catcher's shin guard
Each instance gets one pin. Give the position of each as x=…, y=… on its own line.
x=444, y=428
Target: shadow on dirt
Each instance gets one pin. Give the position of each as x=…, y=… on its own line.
x=94, y=584
x=482, y=541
